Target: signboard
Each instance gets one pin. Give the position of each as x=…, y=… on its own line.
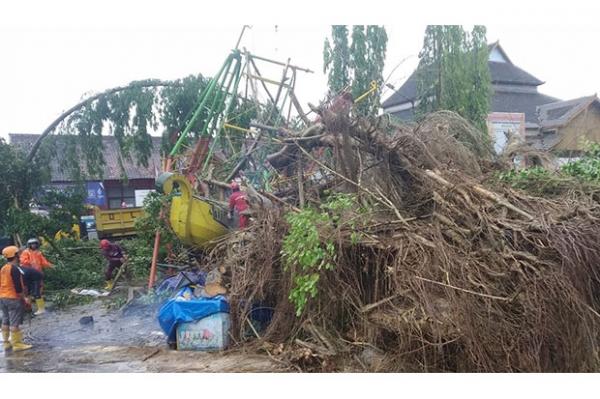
x=502, y=123
x=140, y=195
x=95, y=193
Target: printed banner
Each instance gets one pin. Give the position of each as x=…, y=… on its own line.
x=95, y=193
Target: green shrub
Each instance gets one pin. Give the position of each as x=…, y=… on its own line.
x=81, y=265
x=581, y=175
x=139, y=256
x=587, y=167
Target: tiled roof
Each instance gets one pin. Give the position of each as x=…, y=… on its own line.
x=405, y=115
x=527, y=103
x=559, y=113
x=501, y=73
x=111, y=153
x=504, y=101
x=406, y=92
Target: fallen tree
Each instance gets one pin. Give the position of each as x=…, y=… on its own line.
x=416, y=264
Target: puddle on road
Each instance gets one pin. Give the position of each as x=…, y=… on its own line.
x=62, y=343
x=116, y=341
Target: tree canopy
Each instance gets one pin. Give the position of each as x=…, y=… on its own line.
x=131, y=114
x=24, y=181
x=453, y=73
x=356, y=64
x=20, y=180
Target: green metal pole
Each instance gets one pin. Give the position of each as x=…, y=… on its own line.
x=216, y=107
x=238, y=76
x=209, y=90
x=222, y=104
x=234, y=75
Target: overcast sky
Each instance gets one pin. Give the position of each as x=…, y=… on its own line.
x=53, y=56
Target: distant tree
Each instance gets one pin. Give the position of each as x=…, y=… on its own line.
x=336, y=59
x=20, y=181
x=453, y=73
x=479, y=108
x=356, y=64
x=64, y=209
x=23, y=184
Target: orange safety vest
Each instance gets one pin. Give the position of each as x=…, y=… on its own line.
x=7, y=284
x=34, y=259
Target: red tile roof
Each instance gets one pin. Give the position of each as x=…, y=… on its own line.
x=111, y=154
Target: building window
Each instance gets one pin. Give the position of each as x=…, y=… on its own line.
x=120, y=197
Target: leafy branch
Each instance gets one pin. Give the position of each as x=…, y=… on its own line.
x=88, y=101
x=306, y=251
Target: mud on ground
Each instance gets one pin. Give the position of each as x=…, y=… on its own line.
x=116, y=341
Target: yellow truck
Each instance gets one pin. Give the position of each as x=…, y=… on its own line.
x=116, y=222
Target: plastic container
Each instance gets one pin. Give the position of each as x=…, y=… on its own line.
x=210, y=333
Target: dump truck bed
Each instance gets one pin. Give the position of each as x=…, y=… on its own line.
x=116, y=222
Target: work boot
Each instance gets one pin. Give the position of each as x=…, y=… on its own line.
x=27, y=305
x=6, y=338
x=16, y=339
x=109, y=285
x=41, y=306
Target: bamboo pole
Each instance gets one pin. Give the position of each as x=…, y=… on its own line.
x=152, y=277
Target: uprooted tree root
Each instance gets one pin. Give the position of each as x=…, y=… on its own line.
x=455, y=277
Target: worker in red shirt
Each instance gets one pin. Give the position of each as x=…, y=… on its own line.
x=33, y=262
x=116, y=258
x=239, y=203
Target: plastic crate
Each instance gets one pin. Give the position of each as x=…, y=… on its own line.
x=208, y=334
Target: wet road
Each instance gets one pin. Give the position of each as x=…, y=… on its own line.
x=115, y=341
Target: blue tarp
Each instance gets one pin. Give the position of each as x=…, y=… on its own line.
x=181, y=279
x=180, y=310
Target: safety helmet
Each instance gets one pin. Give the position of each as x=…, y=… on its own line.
x=104, y=244
x=33, y=241
x=234, y=186
x=10, y=252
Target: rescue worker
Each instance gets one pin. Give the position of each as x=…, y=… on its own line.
x=115, y=257
x=238, y=202
x=33, y=263
x=12, y=301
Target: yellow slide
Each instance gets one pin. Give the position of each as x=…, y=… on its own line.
x=194, y=220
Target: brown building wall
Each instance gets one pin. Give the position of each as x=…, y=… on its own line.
x=585, y=126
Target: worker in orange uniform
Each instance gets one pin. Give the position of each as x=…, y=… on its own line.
x=238, y=202
x=33, y=262
x=12, y=300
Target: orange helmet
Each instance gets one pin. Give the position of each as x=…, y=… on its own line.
x=104, y=244
x=10, y=252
